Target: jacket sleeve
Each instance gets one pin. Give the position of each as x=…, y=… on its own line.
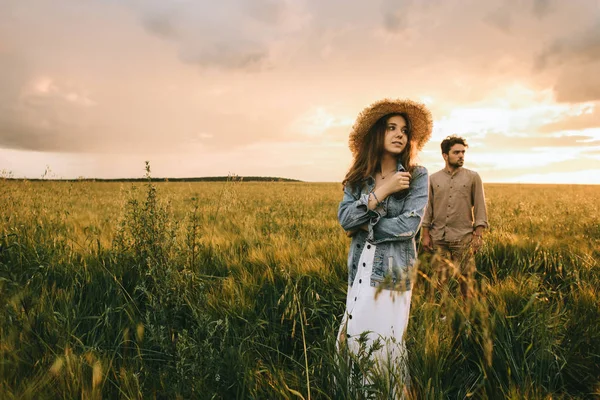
x=406, y=225
x=353, y=211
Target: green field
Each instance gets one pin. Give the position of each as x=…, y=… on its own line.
x=235, y=289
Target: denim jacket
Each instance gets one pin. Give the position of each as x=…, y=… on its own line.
x=392, y=227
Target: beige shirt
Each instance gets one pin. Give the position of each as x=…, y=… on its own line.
x=456, y=204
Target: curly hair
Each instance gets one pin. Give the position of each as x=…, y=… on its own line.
x=451, y=141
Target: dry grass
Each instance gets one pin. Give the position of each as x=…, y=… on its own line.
x=235, y=289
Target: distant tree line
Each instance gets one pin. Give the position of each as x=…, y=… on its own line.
x=196, y=179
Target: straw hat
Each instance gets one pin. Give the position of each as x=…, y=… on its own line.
x=419, y=115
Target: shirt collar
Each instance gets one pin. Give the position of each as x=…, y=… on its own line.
x=452, y=173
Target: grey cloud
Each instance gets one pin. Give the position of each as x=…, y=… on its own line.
x=541, y=8
x=577, y=61
x=53, y=115
x=50, y=121
x=226, y=34
x=399, y=15
x=14, y=70
x=504, y=15
x=500, y=18
x=396, y=14
x=267, y=11
x=241, y=55
x=49, y=134
x=394, y=22
x=162, y=23
x=582, y=47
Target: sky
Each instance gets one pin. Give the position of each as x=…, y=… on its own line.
x=94, y=88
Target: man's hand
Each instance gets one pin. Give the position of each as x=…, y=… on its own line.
x=476, y=243
x=426, y=241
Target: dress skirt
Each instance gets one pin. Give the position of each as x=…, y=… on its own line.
x=377, y=314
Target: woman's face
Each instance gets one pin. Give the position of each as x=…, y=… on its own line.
x=396, y=135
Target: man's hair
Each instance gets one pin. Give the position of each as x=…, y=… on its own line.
x=451, y=141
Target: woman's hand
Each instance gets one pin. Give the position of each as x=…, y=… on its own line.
x=364, y=227
x=398, y=182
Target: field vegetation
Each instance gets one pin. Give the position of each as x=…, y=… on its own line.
x=224, y=290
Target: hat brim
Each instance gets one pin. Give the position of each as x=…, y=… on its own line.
x=419, y=115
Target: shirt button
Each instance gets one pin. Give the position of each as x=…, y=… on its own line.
x=360, y=281
x=350, y=316
x=368, y=246
x=364, y=264
x=355, y=298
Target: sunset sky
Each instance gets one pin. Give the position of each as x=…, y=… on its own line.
x=93, y=88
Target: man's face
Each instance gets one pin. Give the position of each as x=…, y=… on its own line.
x=456, y=156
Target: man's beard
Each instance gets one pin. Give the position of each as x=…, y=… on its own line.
x=457, y=164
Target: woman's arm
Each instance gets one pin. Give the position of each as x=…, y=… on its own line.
x=354, y=210
x=406, y=225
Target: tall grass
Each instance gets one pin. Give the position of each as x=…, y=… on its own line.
x=235, y=290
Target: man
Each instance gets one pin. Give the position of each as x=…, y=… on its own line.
x=456, y=216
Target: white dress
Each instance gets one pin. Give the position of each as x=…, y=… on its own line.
x=383, y=315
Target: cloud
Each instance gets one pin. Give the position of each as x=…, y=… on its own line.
x=505, y=16
x=500, y=18
x=396, y=14
x=54, y=114
x=582, y=46
x=162, y=24
x=500, y=142
x=578, y=84
x=589, y=117
x=37, y=114
x=541, y=8
x=226, y=34
x=509, y=173
x=577, y=59
x=573, y=165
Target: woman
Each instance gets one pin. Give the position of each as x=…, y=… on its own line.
x=385, y=195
